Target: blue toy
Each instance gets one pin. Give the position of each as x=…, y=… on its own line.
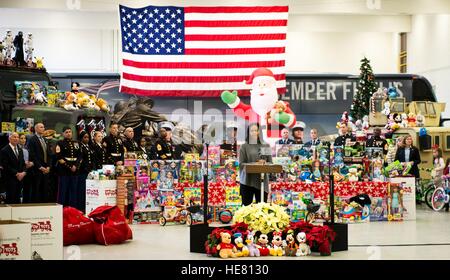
x=392, y=92
x=423, y=131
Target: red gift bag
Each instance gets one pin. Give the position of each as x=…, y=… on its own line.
x=77, y=229
x=110, y=226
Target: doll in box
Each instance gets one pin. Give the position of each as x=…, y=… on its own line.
x=154, y=171
x=396, y=199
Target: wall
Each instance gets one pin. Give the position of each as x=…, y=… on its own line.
x=72, y=41
x=429, y=52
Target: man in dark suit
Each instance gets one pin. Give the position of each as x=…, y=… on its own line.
x=285, y=137
x=40, y=156
x=315, y=141
x=13, y=165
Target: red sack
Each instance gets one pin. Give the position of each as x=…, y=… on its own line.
x=77, y=229
x=110, y=225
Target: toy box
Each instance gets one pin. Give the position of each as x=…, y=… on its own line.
x=8, y=127
x=5, y=212
x=99, y=193
x=46, y=228
x=15, y=240
x=379, y=209
x=407, y=189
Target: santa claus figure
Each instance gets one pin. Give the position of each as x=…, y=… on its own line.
x=264, y=107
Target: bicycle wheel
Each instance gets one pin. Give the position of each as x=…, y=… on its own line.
x=428, y=195
x=438, y=199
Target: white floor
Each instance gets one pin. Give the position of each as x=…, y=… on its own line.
x=426, y=238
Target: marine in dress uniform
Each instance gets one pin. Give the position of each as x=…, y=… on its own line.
x=377, y=141
x=297, y=132
x=164, y=148
x=68, y=154
x=342, y=139
x=114, y=146
x=129, y=143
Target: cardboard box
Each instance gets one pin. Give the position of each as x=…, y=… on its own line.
x=46, y=228
x=100, y=192
x=408, y=188
x=15, y=240
x=5, y=212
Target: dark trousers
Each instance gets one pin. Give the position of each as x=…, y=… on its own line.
x=13, y=191
x=67, y=191
x=248, y=192
x=81, y=192
x=27, y=189
x=40, y=190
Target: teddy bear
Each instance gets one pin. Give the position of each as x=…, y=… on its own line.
x=225, y=248
x=279, y=107
x=102, y=104
x=303, y=248
x=277, y=242
x=404, y=122
x=70, y=104
x=262, y=244
x=353, y=175
x=411, y=119
x=290, y=247
x=242, y=250
x=420, y=120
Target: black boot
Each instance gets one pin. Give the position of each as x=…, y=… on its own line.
x=446, y=207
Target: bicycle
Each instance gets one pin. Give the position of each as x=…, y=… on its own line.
x=440, y=196
x=425, y=189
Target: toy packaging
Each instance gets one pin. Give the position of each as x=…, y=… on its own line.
x=173, y=167
x=214, y=155
x=28, y=92
x=154, y=171
x=395, y=202
x=282, y=150
x=8, y=127
x=191, y=157
x=378, y=209
x=24, y=125
x=169, y=198
x=147, y=217
x=146, y=200
x=192, y=195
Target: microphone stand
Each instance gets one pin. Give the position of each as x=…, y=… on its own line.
x=205, y=187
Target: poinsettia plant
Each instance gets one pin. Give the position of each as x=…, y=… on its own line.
x=319, y=237
x=263, y=217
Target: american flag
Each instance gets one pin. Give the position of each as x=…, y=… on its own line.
x=200, y=51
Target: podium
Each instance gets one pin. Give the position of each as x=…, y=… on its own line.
x=262, y=168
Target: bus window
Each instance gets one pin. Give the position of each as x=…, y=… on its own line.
x=430, y=109
x=422, y=108
x=437, y=140
x=447, y=142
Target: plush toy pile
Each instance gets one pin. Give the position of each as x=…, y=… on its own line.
x=296, y=239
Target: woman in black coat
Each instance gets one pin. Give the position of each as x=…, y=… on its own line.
x=86, y=166
x=409, y=153
x=100, y=157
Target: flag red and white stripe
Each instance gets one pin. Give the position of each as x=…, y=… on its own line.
x=223, y=45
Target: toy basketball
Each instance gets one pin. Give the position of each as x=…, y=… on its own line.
x=225, y=216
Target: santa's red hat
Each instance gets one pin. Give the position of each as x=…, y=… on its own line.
x=259, y=72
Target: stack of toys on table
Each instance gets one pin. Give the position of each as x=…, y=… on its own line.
x=165, y=188
x=40, y=93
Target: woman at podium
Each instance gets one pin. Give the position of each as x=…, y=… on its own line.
x=253, y=151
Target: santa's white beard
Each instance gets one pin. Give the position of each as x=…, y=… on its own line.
x=263, y=104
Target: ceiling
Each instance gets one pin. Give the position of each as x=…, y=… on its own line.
x=325, y=7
